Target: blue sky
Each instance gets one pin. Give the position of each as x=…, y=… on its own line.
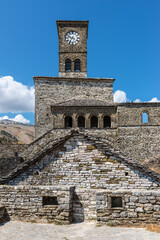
x=123, y=43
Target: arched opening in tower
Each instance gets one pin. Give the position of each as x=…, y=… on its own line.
x=81, y=122
x=106, y=122
x=94, y=122
x=68, y=122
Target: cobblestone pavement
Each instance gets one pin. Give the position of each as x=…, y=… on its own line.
x=82, y=231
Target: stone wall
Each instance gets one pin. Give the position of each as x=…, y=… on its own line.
x=8, y=164
x=84, y=204
x=90, y=166
x=137, y=207
x=130, y=114
x=39, y=145
x=9, y=150
x=49, y=91
x=136, y=139
x=85, y=164
x=47, y=140
x=141, y=143
x=60, y=113
x=73, y=57
x=10, y=157
x=26, y=203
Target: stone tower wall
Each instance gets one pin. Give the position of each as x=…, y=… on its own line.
x=77, y=51
x=49, y=91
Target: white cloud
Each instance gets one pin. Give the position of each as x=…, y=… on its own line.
x=20, y=118
x=15, y=97
x=17, y=118
x=120, y=96
x=4, y=118
x=155, y=99
x=137, y=100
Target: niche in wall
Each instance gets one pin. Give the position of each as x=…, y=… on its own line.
x=116, y=202
x=47, y=200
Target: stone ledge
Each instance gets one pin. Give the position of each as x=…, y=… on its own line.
x=109, y=80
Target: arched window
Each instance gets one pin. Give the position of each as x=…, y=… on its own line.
x=106, y=122
x=94, y=122
x=144, y=117
x=81, y=122
x=68, y=65
x=68, y=122
x=77, y=67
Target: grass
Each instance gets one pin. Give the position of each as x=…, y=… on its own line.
x=153, y=228
x=149, y=227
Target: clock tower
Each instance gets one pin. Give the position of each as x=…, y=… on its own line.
x=72, y=48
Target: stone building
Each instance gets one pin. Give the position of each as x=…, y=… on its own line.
x=86, y=160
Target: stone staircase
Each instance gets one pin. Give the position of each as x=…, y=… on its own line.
x=43, y=143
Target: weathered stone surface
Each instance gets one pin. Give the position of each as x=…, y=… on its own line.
x=76, y=166
x=103, y=155
x=141, y=213
x=25, y=203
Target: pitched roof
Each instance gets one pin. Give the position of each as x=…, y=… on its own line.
x=105, y=144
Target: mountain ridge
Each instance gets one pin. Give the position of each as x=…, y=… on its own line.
x=16, y=132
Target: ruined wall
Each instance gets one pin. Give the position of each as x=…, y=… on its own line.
x=49, y=91
x=85, y=164
x=25, y=203
x=137, y=207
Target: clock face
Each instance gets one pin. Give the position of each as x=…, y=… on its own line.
x=72, y=37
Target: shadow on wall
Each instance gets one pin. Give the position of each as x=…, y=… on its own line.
x=78, y=210
x=8, y=164
x=4, y=217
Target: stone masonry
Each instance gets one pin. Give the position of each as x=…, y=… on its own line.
x=84, y=163
x=89, y=165
x=86, y=160
x=138, y=206
x=25, y=203
x=78, y=51
x=46, y=90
